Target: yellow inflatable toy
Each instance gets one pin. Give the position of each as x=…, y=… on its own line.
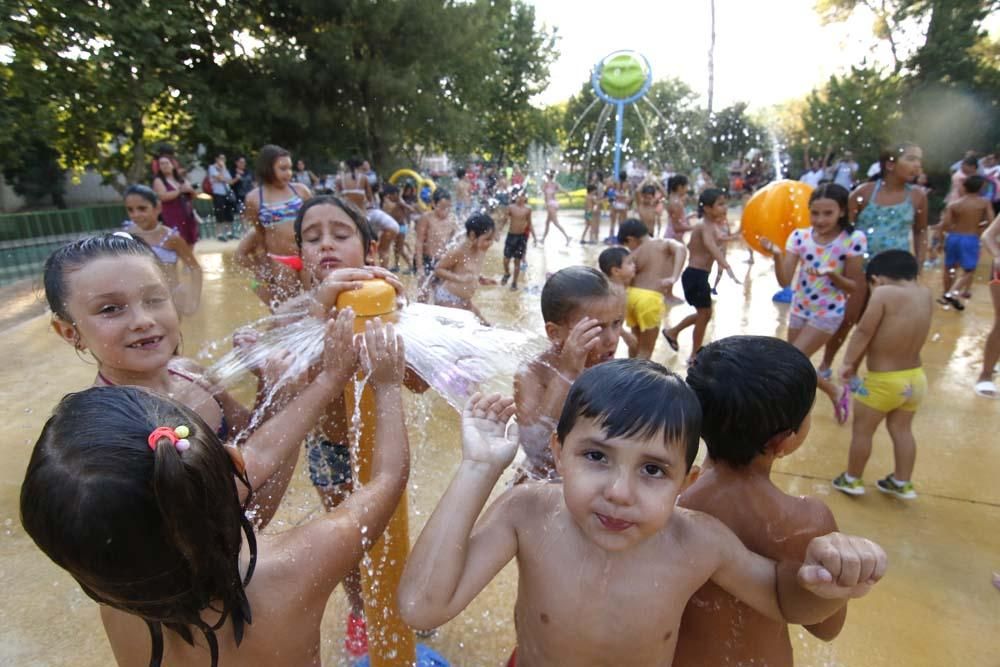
x=774, y=211
x=420, y=182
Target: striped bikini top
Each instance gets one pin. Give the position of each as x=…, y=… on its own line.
x=279, y=212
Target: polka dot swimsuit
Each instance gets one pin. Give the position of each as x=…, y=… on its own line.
x=816, y=297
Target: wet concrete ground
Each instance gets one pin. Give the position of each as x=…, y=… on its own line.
x=936, y=607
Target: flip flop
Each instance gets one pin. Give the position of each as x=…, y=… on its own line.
x=672, y=342
x=842, y=408
x=955, y=303
x=987, y=389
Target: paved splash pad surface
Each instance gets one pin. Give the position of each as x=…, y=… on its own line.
x=936, y=607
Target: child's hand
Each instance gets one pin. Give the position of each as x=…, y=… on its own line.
x=583, y=338
x=340, y=351
x=732, y=276
x=384, y=354
x=769, y=246
x=848, y=372
x=839, y=566
x=245, y=337
x=484, y=423
x=389, y=277
x=667, y=282
x=341, y=280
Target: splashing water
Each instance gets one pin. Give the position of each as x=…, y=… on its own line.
x=449, y=348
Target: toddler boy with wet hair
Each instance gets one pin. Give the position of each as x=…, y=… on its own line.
x=756, y=393
x=606, y=549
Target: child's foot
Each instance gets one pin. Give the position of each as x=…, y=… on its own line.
x=671, y=341
x=852, y=488
x=893, y=488
x=825, y=373
x=715, y=292
x=513, y=287
x=356, y=638
x=950, y=300
x=987, y=389
x=506, y=277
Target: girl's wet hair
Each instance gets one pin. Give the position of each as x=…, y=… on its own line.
x=153, y=533
x=268, y=155
x=708, y=197
x=890, y=155
x=635, y=398
x=751, y=389
x=479, y=225
x=73, y=256
x=839, y=194
x=143, y=191
x=568, y=288
x=352, y=211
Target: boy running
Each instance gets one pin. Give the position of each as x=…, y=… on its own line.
x=516, y=244
x=457, y=272
x=964, y=221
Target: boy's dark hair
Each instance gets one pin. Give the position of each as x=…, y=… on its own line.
x=460, y=172
x=635, y=398
x=632, y=228
x=973, y=184
x=155, y=533
x=648, y=189
x=708, y=198
x=268, y=155
x=566, y=288
x=591, y=187
x=479, y=225
x=839, y=194
x=971, y=161
x=440, y=194
x=751, y=389
x=389, y=189
x=611, y=258
x=676, y=181
x=75, y=255
x=622, y=176
x=355, y=214
x=892, y=264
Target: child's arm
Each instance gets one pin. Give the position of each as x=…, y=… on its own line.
x=455, y=557
x=188, y=296
x=990, y=239
x=948, y=218
x=712, y=246
x=784, y=262
x=836, y=567
x=678, y=253
x=863, y=334
x=851, y=278
x=987, y=214
x=920, y=225
x=418, y=244
x=325, y=550
x=824, y=524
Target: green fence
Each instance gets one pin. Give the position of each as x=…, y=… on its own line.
x=27, y=239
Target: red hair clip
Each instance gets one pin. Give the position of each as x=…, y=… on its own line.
x=177, y=437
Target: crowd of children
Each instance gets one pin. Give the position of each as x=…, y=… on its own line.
x=150, y=486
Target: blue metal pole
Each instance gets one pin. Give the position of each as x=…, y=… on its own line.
x=619, y=121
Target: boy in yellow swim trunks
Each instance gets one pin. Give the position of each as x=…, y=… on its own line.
x=644, y=308
x=891, y=333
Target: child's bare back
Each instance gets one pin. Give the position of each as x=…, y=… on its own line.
x=717, y=628
x=898, y=319
x=656, y=261
x=968, y=215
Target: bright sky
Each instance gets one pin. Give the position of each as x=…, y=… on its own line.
x=766, y=51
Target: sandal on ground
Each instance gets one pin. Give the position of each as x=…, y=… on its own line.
x=987, y=389
x=842, y=408
x=672, y=342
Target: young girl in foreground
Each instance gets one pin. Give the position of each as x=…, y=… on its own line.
x=135, y=496
x=829, y=256
x=143, y=208
x=583, y=314
x=108, y=296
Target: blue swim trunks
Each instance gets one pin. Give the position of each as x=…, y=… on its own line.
x=961, y=250
x=329, y=463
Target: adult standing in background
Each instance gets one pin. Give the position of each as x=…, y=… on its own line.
x=223, y=198
x=175, y=195
x=845, y=171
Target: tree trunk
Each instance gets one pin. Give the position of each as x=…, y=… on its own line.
x=137, y=170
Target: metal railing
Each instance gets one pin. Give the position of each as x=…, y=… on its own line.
x=27, y=239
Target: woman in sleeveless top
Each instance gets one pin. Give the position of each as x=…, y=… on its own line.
x=269, y=248
x=888, y=210
x=175, y=195
x=353, y=185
